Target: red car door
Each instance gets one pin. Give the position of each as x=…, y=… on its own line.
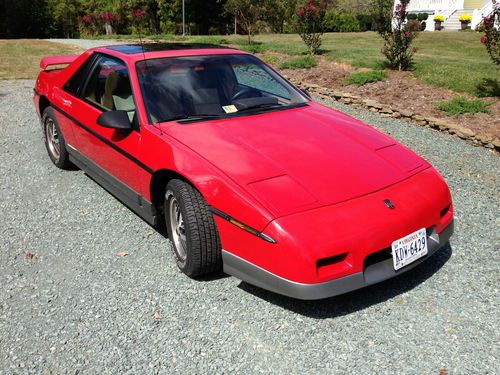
x=111, y=153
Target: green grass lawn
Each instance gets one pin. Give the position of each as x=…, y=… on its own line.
x=20, y=58
x=453, y=60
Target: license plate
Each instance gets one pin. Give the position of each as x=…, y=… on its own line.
x=408, y=249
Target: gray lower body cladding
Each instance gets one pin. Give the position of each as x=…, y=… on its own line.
x=372, y=274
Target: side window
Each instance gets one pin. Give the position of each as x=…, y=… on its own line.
x=255, y=77
x=108, y=87
x=75, y=83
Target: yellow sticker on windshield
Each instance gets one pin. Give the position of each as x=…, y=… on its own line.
x=230, y=109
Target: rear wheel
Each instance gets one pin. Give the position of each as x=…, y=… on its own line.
x=54, y=141
x=191, y=229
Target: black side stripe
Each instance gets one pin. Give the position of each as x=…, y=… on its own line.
x=106, y=141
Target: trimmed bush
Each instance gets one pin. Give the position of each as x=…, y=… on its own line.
x=362, y=78
x=423, y=17
x=462, y=106
x=412, y=16
x=302, y=62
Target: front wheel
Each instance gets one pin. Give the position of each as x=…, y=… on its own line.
x=192, y=230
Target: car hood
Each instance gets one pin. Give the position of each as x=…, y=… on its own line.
x=301, y=158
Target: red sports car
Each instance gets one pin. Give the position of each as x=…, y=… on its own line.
x=246, y=171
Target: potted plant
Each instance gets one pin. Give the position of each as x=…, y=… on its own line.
x=465, y=19
x=423, y=17
x=438, y=21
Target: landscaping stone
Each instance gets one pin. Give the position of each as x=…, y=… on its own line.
x=406, y=113
x=372, y=104
x=464, y=133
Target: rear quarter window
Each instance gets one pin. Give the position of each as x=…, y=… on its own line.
x=77, y=80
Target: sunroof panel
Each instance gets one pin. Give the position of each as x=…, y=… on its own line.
x=132, y=49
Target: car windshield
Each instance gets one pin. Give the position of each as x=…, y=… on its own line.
x=201, y=87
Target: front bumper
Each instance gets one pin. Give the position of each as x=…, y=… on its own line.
x=372, y=274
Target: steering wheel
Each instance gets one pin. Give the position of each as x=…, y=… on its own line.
x=245, y=91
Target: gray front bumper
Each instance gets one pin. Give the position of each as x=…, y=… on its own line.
x=374, y=273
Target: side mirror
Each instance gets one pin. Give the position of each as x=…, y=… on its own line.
x=115, y=120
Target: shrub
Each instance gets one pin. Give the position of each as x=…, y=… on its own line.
x=488, y=87
x=310, y=25
x=341, y=22
x=397, y=47
x=362, y=78
x=302, y=62
x=412, y=16
x=423, y=17
x=438, y=18
x=461, y=106
x=491, y=38
x=365, y=22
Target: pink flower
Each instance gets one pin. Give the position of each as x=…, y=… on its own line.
x=310, y=6
x=493, y=44
x=107, y=17
x=415, y=49
x=138, y=13
x=87, y=19
x=300, y=12
x=483, y=39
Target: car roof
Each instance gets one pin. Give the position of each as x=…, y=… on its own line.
x=146, y=51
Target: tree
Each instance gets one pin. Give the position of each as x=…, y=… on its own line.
x=491, y=38
x=311, y=25
x=248, y=12
x=278, y=13
x=63, y=15
x=397, y=47
x=24, y=19
x=382, y=15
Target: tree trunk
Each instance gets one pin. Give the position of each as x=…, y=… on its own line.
x=108, y=28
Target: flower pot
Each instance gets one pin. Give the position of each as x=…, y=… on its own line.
x=465, y=25
x=437, y=25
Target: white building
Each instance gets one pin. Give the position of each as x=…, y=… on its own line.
x=451, y=10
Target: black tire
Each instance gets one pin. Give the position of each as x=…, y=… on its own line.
x=200, y=252
x=55, y=144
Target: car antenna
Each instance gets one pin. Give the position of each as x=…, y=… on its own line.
x=154, y=123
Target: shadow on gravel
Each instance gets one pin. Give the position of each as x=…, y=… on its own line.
x=360, y=299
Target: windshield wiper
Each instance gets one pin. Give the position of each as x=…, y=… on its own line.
x=188, y=118
x=260, y=106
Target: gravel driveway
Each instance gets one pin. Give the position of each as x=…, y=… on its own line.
x=78, y=308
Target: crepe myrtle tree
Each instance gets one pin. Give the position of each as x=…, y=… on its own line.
x=399, y=37
x=491, y=38
x=108, y=18
x=310, y=25
x=247, y=12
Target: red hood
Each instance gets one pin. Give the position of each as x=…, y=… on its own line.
x=300, y=158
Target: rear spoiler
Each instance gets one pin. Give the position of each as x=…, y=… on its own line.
x=57, y=60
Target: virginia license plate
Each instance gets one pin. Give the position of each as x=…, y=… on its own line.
x=408, y=249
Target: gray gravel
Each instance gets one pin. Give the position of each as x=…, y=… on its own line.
x=79, y=308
